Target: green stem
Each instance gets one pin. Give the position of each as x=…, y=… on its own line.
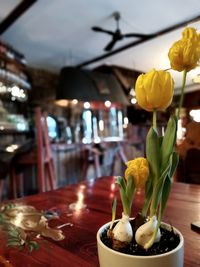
x=153, y=207
x=154, y=119
x=145, y=207
x=182, y=92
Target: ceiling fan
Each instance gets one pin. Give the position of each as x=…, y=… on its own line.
x=117, y=34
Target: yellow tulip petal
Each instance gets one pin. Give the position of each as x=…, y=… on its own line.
x=154, y=90
x=139, y=170
x=185, y=53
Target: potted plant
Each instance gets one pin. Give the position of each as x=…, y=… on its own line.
x=145, y=240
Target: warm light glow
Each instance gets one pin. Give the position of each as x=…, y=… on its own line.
x=113, y=186
x=86, y=105
x=132, y=92
x=15, y=91
x=74, y=101
x=125, y=120
x=196, y=79
x=77, y=206
x=107, y=103
x=133, y=100
x=97, y=140
x=62, y=102
x=11, y=148
x=195, y=114
x=180, y=131
x=101, y=125
x=3, y=88
x=82, y=186
x=84, y=140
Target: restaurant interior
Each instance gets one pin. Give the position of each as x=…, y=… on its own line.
x=85, y=83
x=68, y=107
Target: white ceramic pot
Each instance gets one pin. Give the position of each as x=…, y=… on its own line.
x=111, y=258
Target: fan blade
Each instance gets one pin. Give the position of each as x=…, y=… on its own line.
x=98, y=29
x=110, y=45
x=139, y=35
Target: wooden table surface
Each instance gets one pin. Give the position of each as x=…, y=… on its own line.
x=92, y=208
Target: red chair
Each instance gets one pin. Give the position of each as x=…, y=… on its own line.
x=41, y=157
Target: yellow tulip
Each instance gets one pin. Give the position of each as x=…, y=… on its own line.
x=191, y=33
x=139, y=170
x=185, y=53
x=154, y=90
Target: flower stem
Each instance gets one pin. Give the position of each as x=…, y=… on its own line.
x=182, y=92
x=154, y=119
x=153, y=207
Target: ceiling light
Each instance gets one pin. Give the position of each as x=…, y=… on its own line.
x=133, y=100
x=107, y=103
x=74, y=101
x=86, y=105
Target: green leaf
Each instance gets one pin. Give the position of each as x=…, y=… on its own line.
x=121, y=182
x=168, y=142
x=165, y=195
x=17, y=239
x=157, y=191
x=153, y=153
x=13, y=233
x=148, y=196
x=114, y=206
x=31, y=248
x=125, y=202
x=12, y=243
x=33, y=244
x=130, y=189
x=174, y=164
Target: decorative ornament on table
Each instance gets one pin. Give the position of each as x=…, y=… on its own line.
x=154, y=92
x=23, y=224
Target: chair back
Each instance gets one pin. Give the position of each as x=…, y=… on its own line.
x=44, y=152
x=192, y=166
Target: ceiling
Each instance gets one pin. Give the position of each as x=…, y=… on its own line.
x=56, y=33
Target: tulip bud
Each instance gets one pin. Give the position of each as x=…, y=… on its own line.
x=185, y=53
x=139, y=170
x=154, y=90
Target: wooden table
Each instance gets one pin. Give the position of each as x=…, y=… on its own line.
x=78, y=249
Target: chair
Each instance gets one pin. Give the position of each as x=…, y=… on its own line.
x=119, y=157
x=192, y=166
x=41, y=157
x=91, y=155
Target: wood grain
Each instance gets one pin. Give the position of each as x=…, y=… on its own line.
x=79, y=246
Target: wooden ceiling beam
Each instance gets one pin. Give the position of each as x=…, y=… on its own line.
x=15, y=14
